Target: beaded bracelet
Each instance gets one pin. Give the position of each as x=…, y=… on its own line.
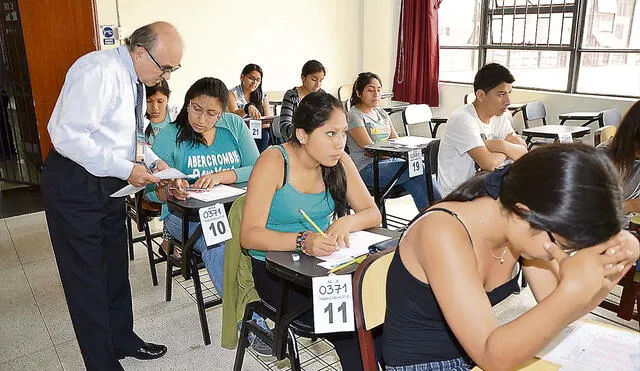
x=300, y=239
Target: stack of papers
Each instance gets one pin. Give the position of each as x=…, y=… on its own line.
x=588, y=346
x=217, y=193
x=359, y=242
x=410, y=141
x=170, y=173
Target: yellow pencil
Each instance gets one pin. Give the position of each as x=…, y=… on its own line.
x=357, y=260
x=312, y=223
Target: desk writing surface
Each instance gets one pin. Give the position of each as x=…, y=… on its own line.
x=556, y=130
x=579, y=115
x=194, y=204
x=307, y=267
x=537, y=364
x=399, y=145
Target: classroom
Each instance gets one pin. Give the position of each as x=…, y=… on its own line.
x=332, y=185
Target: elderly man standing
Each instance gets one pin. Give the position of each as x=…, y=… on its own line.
x=97, y=131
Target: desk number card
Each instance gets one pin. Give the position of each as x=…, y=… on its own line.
x=255, y=127
x=333, y=304
x=416, y=167
x=215, y=225
x=565, y=138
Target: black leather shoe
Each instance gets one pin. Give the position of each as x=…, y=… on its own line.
x=148, y=351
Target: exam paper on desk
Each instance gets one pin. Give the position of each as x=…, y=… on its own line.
x=165, y=174
x=588, y=346
x=359, y=242
x=217, y=193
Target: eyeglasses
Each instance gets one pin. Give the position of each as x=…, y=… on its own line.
x=198, y=111
x=563, y=247
x=254, y=79
x=164, y=69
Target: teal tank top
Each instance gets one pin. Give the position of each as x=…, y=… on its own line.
x=284, y=215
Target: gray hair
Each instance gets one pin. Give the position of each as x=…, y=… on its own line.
x=144, y=36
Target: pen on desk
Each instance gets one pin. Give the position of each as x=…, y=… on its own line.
x=356, y=260
x=191, y=189
x=312, y=223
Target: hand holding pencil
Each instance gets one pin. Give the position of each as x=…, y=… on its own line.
x=318, y=243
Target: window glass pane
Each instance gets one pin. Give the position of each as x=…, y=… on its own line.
x=544, y=29
x=529, y=3
x=609, y=24
x=534, y=69
x=458, y=65
x=609, y=73
x=459, y=22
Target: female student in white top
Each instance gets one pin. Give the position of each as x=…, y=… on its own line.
x=248, y=100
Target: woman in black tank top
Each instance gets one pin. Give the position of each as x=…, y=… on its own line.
x=558, y=210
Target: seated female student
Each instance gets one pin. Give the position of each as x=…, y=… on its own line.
x=248, y=100
x=160, y=114
x=313, y=73
x=212, y=146
x=370, y=124
x=559, y=209
x=313, y=173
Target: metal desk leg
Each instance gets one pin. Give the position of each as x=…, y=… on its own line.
x=280, y=332
x=376, y=188
x=185, y=238
x=431, y=197
x=204, y=326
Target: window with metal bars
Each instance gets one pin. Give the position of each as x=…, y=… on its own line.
x=557, y=45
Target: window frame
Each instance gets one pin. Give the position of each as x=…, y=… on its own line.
x=575, y=47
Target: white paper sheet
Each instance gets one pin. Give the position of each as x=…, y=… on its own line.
x=359, y=242
x=588, y=346
x=165, y=174
x=410, y=141
x=217, y=193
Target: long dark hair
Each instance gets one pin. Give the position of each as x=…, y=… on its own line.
x=209, y=86
x=626, y=142
x=255, y=97
x=572, y=190
x=314, y=110
x=361, y=82
x=163, y=88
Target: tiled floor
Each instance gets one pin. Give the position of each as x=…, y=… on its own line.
x=36, y=331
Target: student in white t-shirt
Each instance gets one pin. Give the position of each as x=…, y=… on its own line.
x=479, y=132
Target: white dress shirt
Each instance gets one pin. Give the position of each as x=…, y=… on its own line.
x=93, y=122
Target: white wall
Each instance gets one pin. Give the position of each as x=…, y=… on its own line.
x=221, y=37
x=380, y=34
x=347, y=36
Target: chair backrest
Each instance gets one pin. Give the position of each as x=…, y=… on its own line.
x=344, y=92
x=416, y=114
x=431, y=167
x=370, y=301
x=534, y=111
x=610, y=117
x=468, y=98
x=603, y=134
x=280, y=133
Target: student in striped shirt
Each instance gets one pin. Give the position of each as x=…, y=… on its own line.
x=313, y=73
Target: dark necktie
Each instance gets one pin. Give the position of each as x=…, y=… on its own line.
x=140, y=139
